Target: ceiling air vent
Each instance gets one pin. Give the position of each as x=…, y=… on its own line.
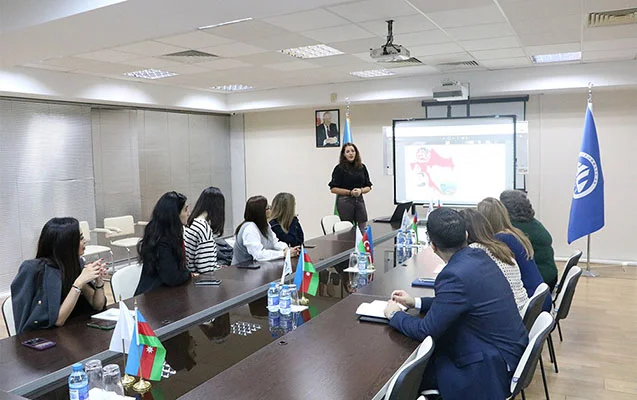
x=190, y=56
x=411, y=62
x=458, y=65
x=609, y=18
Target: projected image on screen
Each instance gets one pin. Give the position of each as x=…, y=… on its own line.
x=452, y=160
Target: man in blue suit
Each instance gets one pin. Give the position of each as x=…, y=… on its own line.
x=473, y=320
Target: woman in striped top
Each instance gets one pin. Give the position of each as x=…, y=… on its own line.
x=481, y=236
x=205, y=222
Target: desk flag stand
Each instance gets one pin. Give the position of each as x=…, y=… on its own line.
x=141, y=386
x=127, y=380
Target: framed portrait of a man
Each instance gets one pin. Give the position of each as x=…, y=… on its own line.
x=328, y=133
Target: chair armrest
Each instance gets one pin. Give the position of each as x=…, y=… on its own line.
x=141, y=223
x=112, y=229
x=101, y=230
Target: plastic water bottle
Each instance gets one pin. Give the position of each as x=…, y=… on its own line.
x=409, y=240
x=362, y=263
x=400, y=239
x=78, y=383
x=273, y=297
x=274, y=322
x=285, y=307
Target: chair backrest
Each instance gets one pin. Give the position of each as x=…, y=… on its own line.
x=525, y=370
x=341, y=226
x=125, y=224
x=327, y=223
x=533, y=307
x=405, y=384
x=7, y=315
x=572, y=261
x=85, y=230
x=565, y=298
x=124, y=281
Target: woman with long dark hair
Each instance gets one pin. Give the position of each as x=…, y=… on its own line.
x=54, y=287
x=350, y=181
x=161, y=250
x=481, y=236
x=205, y=222
x=284, y=222
x=255, y=239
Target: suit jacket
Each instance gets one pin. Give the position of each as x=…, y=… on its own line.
x=321, y=135
x=476, y=326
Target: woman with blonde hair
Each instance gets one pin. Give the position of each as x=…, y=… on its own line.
x=519, y=244
x=283, y=220
x=481, y=236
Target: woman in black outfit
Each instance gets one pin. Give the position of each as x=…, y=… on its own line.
x=284, y=222
x=350, y=180
x=161, y=250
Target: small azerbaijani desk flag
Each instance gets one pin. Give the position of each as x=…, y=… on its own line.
x=306, y=278
x=364, y=242
x=146, y=354
x=414, y=225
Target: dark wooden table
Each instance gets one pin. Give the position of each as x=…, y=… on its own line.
x=169, y=311
x=334, y=356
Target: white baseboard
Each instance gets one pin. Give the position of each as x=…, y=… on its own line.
x=624, y=263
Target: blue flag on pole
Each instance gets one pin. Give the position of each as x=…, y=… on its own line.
x=587, y=206
x=347, y=133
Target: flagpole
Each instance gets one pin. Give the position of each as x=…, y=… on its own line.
x=127, y=380
x=588, y=273
x=141, y=386
x=303, y=300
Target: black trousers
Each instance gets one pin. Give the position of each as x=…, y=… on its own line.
x=352, y=209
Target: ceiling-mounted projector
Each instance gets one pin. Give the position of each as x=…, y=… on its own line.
x=389, y=52
x=450, y=91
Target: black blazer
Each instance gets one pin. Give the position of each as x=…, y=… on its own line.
x=167, y=272
x=294, y=236
x=321, y=135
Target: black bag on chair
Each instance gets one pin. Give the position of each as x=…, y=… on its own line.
x=224, y=252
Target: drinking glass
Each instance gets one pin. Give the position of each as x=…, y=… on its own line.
x=294, y=295
x=112, y=379
x=93, y=369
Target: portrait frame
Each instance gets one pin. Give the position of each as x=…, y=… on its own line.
x=328, y=132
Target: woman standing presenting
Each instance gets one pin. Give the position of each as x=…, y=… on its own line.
x=350, y=181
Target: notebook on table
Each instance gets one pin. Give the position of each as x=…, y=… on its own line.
x=374, y=311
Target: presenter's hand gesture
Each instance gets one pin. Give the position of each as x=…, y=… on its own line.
x=402, y=297
x=356, y=192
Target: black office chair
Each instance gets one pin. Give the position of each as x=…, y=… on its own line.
x=525, y=370
x=563, y=306
x=572, y=261
x=530, y=312
x=405, y=384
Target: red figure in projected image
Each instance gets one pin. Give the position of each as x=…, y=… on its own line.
x=426, y=159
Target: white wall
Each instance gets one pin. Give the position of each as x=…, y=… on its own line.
x=281, y=156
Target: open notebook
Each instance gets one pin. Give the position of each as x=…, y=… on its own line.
x=374, y=311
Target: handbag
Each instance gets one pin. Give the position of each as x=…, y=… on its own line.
x=224, y=252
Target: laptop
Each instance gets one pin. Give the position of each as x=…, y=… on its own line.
x=397, y=216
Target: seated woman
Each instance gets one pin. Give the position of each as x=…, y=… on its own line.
x=519, y=244
x=54, y=287
x=523, y=217
x=255, y=239
x=161, y=250
x=481, y=236
x=284, y=222
x=204, y=223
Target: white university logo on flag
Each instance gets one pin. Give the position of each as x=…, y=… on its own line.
x=587, y=176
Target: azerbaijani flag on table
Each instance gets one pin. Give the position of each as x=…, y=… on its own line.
x=414, y=225
x=146, y=354
x=364, y=242
x=306, y=278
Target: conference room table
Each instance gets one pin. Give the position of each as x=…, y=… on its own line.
x=201, y=327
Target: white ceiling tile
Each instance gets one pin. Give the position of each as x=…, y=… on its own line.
x=548, y=38
x=184, y=69
x=363, y=56
x=338, y=34
x=150, y=48
x=245, y=31
x=481, y=55
x=609, y=55
x=415, y=70
x=548, y=24
x=233, y=50
x=445, y=58
x=490, y=44
x=611, y=32
x=407, y=24
x=506, y=63
x=607, y=5
x=541, y=8
x=428, y=6
x=359, y=45
x=468, y=16
x=288, y=41
x=435, y=49
x=333, y=61
x=224, y=64
x=47, y=67
x=109, y=56
x=292, y=66
x=482, y=31
x=370, y=10
x=306, y=20
x=271, y=57
x=194, y=40
x=552, y=49
x=617, y=44
x=153, y=62
x=422, y=38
